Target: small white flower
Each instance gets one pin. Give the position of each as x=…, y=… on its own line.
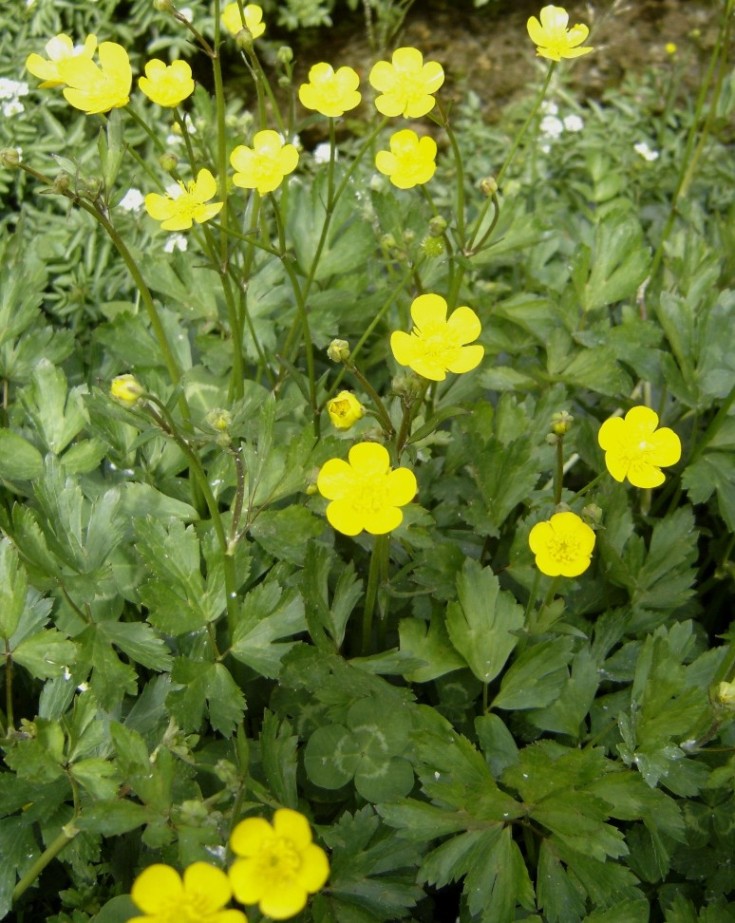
x=187, y=13
x=549, y=108
x=573, y=122
x=82, y=687
x=551, y=126
x=132, y=201
x=173, y=190
x=175, y=242
x=12, y=89
x=645, y=151
x=14, y=107
x=321, y=152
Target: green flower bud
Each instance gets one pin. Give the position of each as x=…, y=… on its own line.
x=339, y=351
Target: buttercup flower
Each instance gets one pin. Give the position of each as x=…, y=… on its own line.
x=406, y=84
x=330, y=92
x=164, y=897
x=98, y=87
x=264, y=165
x=437, y=345
x=279, y=865
x=234, y=23
x=365, y=492
x=553, y=39
x=178, y=210
x=167, y=85
x=636, y=450
x=345, y=410
x=410, y=161
x=126, y=389
x=59, y=49
x=562, y=545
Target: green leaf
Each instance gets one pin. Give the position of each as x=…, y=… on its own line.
x=619, y=264
x=57, y=413
x=13, y=588
x=118, y=910
x=497, y=743
x=428, y=643
x=568, y=712
x=285, y=533
x=45, y=654
x=207, y=685
x=19, y=851
x=278, y=748
x=331, y=756
x=267, y=615
x=713, y=472
x=99, y=777
x=19, y=460
x=138, y=641
x=537, y=677
x=483, y=626
x=559, y=895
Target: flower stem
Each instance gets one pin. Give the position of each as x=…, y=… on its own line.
x=531, y=116
x=68, y=833
x=376, y=575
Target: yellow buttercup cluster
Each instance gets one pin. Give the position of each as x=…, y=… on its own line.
x=277, y=867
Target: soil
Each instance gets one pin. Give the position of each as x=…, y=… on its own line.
x=487, y=49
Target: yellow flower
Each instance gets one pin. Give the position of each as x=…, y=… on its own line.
x=410, y=161
x=635, y=449
x=406, y=84
x=167, y=85
x=126, y=389
x=365, y=492
x=234, y=23
x=345, y=410
x=553, y=39
x=264, y=165
x=163, y=897
x=279, y=866
x=671, y=48
x=59, y=49
x=330, y=92
x=562, y=545
x=98, y=87
x=177, y=212
x=437, y=345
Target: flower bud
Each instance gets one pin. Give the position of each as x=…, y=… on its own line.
x=725, y=695
x=62, y=184
x=168, y=161
x=437, y=226
x=409, y=236
x=489, y=186
x=592, y=515
x=339, y=351
x=284, y=55
x=219, y=419
x=432, y=247
x=126, y=389
x=244, y=39
x=561, y=423
x=11, y=157
x=163, y=6
x=345, y=410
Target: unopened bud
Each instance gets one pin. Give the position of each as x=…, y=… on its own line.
x=163, y=6
x=244, y=39
x=408, y=387
x=219, y=419
x=338, y=350
x=284, y=55
x=126, y=389
x=437, y=226
x=168, y=161
x=592, y=515
x=11, y=157
x=489, y=186
x=561, y=423
x=432, y=246
x=62, y=184
x=725, y=695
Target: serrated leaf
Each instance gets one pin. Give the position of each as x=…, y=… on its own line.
x=620, y=262
x=139, y=642
x=13, y=587
x=19, y=460
x=203, y=685
x=428, y=643
x=537, y=677
x=267, y=615
x=45, y=654
x=559, y=896
x=285, y=533
x=483, y=625
x=713, y=472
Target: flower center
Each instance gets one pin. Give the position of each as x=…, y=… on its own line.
x=278, y=862
x=565, y=549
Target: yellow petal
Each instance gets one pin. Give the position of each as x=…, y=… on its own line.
x=465, y=325
x=314, y=869
x=369, y=459
x=401, y=487
x=611, y=433
x=158, y=206
x=642, y=418
x=293, y=826
x=288, y=900
x=342, y=516
x=427, y=310
x=206, y=185
x=380, y=522
x=429, y=367
x=539, y=537
x=386, y=163
x=335, y=479
x=554, y=18
x=382, y=77
x=404, y=347
x=645, y=475
x=155, y=887
x=210, y=884
x=666, y=447
x=468, y=358
x=249, y=836
x=246, y=879
x=536, y=31
x=408, y=59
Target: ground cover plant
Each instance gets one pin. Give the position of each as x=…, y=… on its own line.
x=368, y=504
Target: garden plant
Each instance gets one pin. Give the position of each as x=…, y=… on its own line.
x=367, y=476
